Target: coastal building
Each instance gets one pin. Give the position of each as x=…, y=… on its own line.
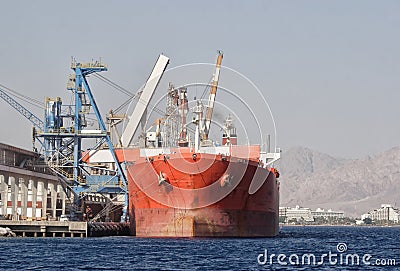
x=301, y=214
x=28, y=191
x=386, y=213
x=297, y=213
x=329, y=214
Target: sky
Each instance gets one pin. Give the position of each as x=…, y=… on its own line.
x=330, y=70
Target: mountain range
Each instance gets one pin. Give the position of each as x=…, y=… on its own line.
x=313, y=179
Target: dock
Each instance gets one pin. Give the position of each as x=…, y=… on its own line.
x=26, y=228
x=46, y=228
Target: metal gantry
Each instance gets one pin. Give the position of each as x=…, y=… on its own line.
x=66, y=139
x=68, y=147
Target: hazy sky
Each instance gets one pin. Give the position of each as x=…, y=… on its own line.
x=329, y=69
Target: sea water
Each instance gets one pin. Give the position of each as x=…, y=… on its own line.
x=296, y=248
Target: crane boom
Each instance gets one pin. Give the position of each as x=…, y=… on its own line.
x=211, y=98
x=144, y=100
x=22, y=110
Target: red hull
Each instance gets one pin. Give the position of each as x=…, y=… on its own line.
x=176, y=206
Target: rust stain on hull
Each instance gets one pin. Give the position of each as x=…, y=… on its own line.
x=238, y=214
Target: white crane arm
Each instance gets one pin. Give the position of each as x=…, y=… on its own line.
x=144, y=100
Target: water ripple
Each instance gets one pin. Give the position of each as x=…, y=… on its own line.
x=130, y=253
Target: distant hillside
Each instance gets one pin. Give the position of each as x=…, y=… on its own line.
x=313, y=179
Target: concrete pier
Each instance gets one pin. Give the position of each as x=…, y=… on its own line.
x=47, y=228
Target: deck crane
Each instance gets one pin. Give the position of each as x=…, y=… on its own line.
x=211, y=98
x=147, y=93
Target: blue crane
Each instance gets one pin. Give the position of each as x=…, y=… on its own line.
x=63, y=142
x=22, y=110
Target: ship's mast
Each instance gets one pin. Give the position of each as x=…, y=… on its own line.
x=171, y=134
x=211, y=97
x=197, y=120
x=229, y=136
x=183, y=110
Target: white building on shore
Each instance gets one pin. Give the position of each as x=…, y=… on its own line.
x=327, y=214
x=298, y=213
x=386, y=213
x=302, y=214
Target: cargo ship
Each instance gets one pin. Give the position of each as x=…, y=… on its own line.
x=183, y=185
x=162, y=205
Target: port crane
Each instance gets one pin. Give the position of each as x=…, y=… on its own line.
x=38, y=123
x=64, y=134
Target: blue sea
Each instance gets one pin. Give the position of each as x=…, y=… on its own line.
x=296, y=248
